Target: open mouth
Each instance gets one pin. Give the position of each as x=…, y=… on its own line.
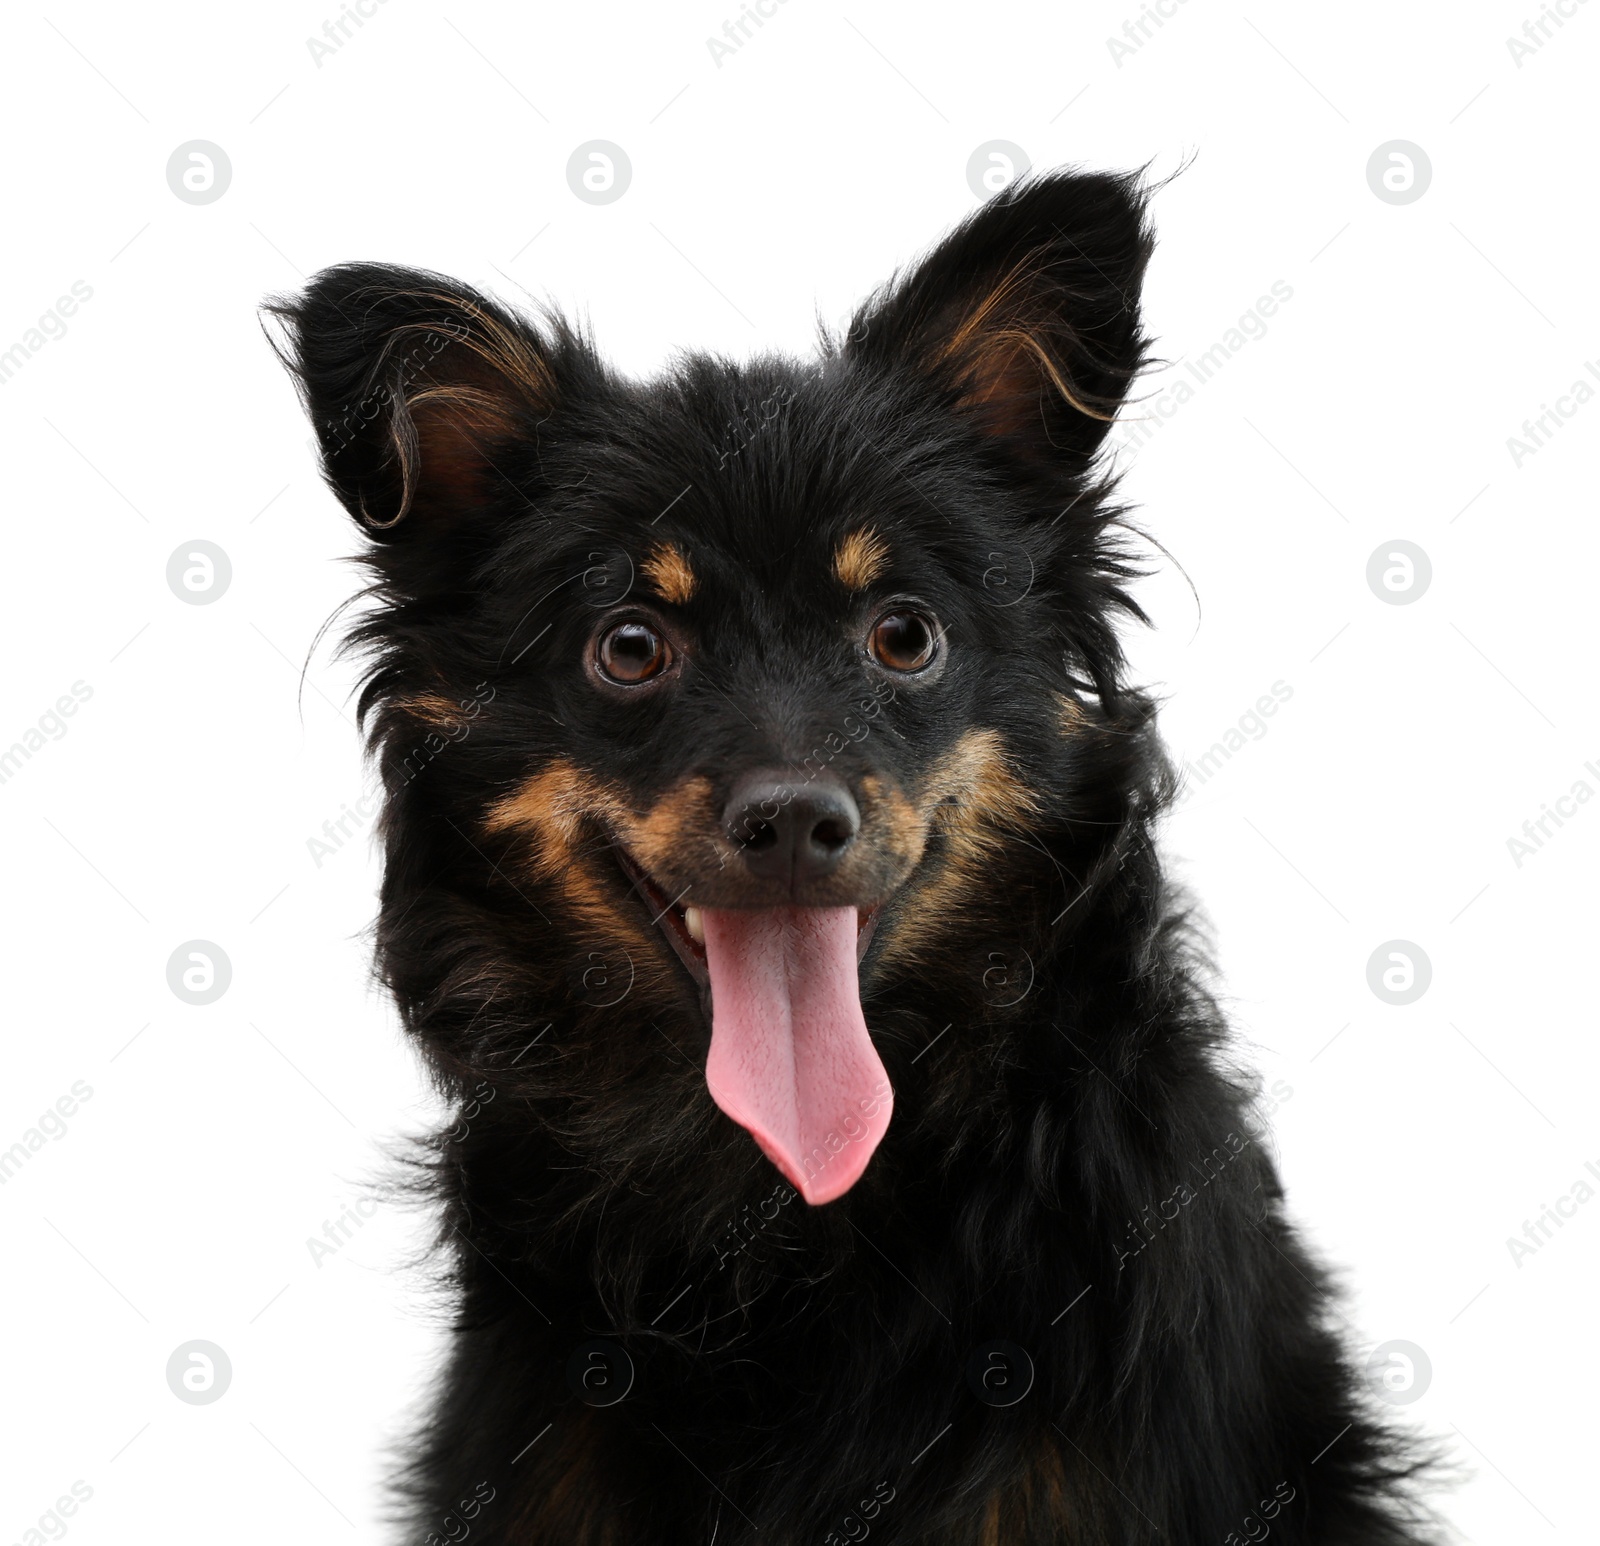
x=790, y=1059
x=684, y=924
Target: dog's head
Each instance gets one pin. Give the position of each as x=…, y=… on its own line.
x=714, y=701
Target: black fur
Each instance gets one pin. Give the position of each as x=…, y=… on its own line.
x=809, y=1376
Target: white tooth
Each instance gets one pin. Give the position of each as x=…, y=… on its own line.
x=695, y=924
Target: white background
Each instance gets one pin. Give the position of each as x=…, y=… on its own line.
x=780, y=186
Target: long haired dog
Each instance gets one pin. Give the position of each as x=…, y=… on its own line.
x=841, y=1144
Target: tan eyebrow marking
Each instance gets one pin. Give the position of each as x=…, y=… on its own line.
x=860, y=558
x=667, y=568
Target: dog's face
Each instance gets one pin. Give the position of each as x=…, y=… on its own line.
x=747, y=682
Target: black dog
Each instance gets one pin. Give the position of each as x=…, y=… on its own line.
x=760, y=765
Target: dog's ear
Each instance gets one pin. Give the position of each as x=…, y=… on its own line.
x=418, y=388
x=1026, y=317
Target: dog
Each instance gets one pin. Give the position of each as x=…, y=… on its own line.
x=841, y=1140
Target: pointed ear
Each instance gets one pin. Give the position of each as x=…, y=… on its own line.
x=418, y=388
x=1025, y=318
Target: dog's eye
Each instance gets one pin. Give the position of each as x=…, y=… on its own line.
x=904, y=641
x=633, y=652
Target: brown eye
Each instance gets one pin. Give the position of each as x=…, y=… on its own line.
x=904, y=641
x=633, y=652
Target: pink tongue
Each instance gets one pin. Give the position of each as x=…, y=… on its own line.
x=790, y=1056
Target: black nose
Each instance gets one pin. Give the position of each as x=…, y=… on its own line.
x=791, y=830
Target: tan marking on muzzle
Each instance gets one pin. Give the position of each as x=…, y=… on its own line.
x=976, y=803
x=568, y=817
x=562, y=805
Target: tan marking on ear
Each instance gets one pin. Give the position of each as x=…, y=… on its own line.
x=446, y=408
x=975, y=802
x=1071, y=715
x=667, y=568
x=501, y=350
x=860, y=558
x=997, y=335
x=434, y=709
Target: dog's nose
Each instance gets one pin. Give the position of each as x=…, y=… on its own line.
x=791, y=830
